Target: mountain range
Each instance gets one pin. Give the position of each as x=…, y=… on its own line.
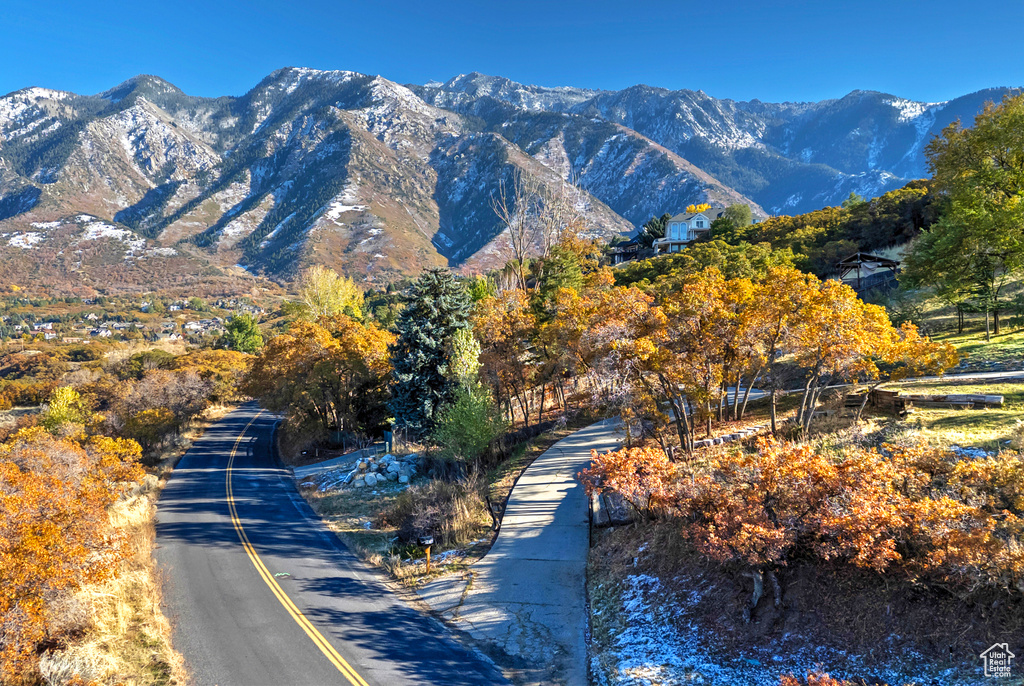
x=379, y=179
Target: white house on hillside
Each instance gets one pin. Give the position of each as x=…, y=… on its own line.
x=685, y=228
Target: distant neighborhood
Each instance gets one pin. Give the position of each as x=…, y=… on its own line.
x=182, y=320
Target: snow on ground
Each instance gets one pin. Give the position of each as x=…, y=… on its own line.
x=338, y=208
x=46, y=225
x=99, y=229
x=26, y=241
x=662, y=644
x=21, y=108
x=909, y=110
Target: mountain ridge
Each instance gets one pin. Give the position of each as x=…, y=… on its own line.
x=380, y=179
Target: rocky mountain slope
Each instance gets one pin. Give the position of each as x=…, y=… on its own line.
x=788, y=157
x=379, y=179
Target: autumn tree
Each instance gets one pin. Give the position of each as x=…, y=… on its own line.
x=223, y=370
x=782, y=299
x=834, y=341
x=331, y=374
x=505, y=326
x=325, y=293
x=66, y=408
x=55, y=534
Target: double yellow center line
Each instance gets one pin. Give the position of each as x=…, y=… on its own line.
x=326, y=648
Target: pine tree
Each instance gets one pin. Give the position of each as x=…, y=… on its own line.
x=437, y=307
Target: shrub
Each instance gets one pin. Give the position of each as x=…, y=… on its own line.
x=450, y=511
x=467, y=427
x=642, y=476
x=55, y=535
x=922, y=512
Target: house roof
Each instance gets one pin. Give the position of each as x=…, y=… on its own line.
x=711, y=214
x=863, y=258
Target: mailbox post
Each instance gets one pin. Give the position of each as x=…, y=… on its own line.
x=426, y=542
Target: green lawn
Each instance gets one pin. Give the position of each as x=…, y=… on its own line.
x=983, y=428
x=1003, y=351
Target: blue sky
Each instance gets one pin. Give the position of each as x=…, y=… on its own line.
x=772, y=50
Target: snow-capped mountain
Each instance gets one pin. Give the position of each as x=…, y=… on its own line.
x=787, y=157
x=380, y=179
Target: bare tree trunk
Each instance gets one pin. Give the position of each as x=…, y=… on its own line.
x=540, y=410
x=682, y=421
x=746, y=391
x=736, y=397
x=806, y=397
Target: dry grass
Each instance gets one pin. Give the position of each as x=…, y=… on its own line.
x=453, y=513
x=126, y=639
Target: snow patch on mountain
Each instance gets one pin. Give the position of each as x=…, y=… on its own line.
x=19, y=107
x=909, y=110
x=553, y=155
x=100, y=229
x=534, y=98
x=25, y=241
x=338, y=208
x=156, y=148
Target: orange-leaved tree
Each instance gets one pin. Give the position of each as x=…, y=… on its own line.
x=55, y=535
x=505, y=327
x=642, y=476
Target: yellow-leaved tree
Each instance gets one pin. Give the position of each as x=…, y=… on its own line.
x=331, y=374
x=324, y=293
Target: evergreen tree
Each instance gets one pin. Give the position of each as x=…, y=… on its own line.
x=437, y=307
x=561, y=269
x=653, y=230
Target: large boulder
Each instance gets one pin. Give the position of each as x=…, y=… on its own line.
x=370, y=479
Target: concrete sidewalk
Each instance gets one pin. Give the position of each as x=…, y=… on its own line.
x=526, y=602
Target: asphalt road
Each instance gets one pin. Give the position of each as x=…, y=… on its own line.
x=260, y=592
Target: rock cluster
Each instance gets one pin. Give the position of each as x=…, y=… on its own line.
x=373, y=471
x=729, y=438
